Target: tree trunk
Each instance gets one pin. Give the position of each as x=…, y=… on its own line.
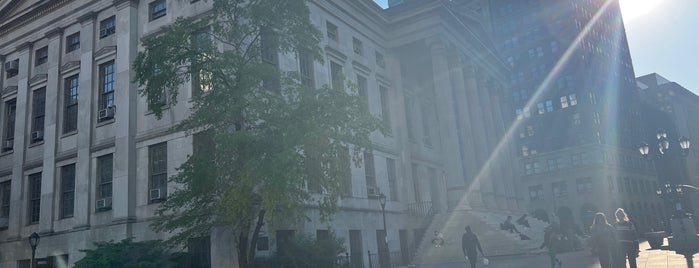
x=246, y=246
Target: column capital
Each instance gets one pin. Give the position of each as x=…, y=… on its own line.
x=436, y=44
x=119, y=4
x=24, y=46
x=56, y=32
x=87, y=18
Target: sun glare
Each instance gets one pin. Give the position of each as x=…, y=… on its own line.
x=632, y=9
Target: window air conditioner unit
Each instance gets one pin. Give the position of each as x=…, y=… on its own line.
x=372, y=191
x=7, y=145
x=155, y=195
x=104, y=203
x=12, y=66
x=37, y=135
x=107, y=113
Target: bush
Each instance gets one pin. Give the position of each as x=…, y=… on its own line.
x=306, y=251
x=127, y=253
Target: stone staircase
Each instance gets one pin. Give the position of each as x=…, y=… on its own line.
x=485, y=224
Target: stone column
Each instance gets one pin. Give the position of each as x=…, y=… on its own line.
x=466, y=143
x=83, y=185
x=126, y=94
x=48, y=174
x=17, y=200
x=475, y=111
x=446, y=110
x=493, y=137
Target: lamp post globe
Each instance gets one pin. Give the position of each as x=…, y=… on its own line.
x=33, y=242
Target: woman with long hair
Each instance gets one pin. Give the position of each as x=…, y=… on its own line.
x=603, y=240
x=627, y=239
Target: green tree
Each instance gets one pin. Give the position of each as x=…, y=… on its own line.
x=127, y=253
x=270, y=136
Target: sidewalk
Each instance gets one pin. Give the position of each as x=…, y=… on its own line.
x=582, y=259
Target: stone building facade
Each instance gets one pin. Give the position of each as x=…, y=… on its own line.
x=83, y=159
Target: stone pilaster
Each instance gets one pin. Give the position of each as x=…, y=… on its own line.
x=17, y=207
x=85, y=124
x=475, y=111
x=48, y=175
x=448, y=130
x=126, y=94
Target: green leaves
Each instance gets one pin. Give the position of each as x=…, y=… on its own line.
x=127, y=253
x=258, y=144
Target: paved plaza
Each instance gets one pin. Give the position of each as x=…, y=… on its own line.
x=583, y=259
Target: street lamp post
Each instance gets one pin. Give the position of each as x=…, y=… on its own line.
x=384, y=257
x=684, y=238
x=33, y=242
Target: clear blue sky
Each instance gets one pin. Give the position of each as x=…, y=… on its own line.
x=663, y=40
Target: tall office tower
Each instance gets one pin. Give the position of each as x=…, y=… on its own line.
x=576, y=109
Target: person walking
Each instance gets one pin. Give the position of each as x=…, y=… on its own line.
x=469, y=243
x=603, y=239
x=627, y=239
x=552, y=241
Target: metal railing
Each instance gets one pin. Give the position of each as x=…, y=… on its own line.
x=420, y=209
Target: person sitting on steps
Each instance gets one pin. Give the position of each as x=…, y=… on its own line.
x=523, y=221
x=508, y=226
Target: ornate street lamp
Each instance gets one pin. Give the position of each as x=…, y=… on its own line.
x=33, y=242
x=684, y=238
x=384, y=257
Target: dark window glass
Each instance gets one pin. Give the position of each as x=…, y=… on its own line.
x=332, y=31
x=104, y=176
x=157, y=9
x=42, y=56
x=106, y=86
x=73, y=42
x=392, y=184
x=306, y=68
x=34, y=198
x=336, y=75
x=370, y=174
x=158, y=170
x=67, y=191
x=10, y=117
x=38, y=114
x=70, y=98
x=12, y=68
x=5, y=191
x=270, y=55
x=199, y=252
x=107, y=27
x=385, y=108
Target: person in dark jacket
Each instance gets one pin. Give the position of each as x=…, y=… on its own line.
x=552, y=240
x=523, y=221
x=603, y=240
x=469, y=243
x=627, y=239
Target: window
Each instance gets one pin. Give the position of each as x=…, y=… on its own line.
x=560, y=163
x=157, y=9
x=554, y=46
x=12, y=68
x=107, y=27
x=336, y=75
x=306, y=68
x=539, y=52
x=199, y=252
x=576, y=119
x=540, y=107
x=363, y=88
x=5, y=191
x=331, y=31
x=385, y=108
x=370, y=174
x=73, y=42
x=392, y=184
x=38, y=114
x=10, y=117
x=104, y=180
x=380, y=61
x=34, y=198
x=564, y=102
x=551, y=164
x=530, y=130
x=357, y=46
x=270, y=55
x=549, y=106
x=573, y=100
x=532, y=53
x=528, y=169
x=537, y=167
x=595, y=118
x=157, y=157
x=106, y=86
x=527, y=113
x=518, y=112
x=42, y=56
x=67, y=191
x=201, y=79
x=560, y=189
x=70, y=99
x=536, y=192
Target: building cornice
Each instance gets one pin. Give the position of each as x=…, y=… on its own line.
x=32, y=15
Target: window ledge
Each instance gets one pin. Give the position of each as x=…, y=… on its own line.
x=38, y=143
x=105, y=122
x=68, y=134
x=7, y=152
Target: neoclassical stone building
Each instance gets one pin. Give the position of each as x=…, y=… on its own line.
x=83, y=159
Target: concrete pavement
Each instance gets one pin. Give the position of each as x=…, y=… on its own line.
x=582, y=259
